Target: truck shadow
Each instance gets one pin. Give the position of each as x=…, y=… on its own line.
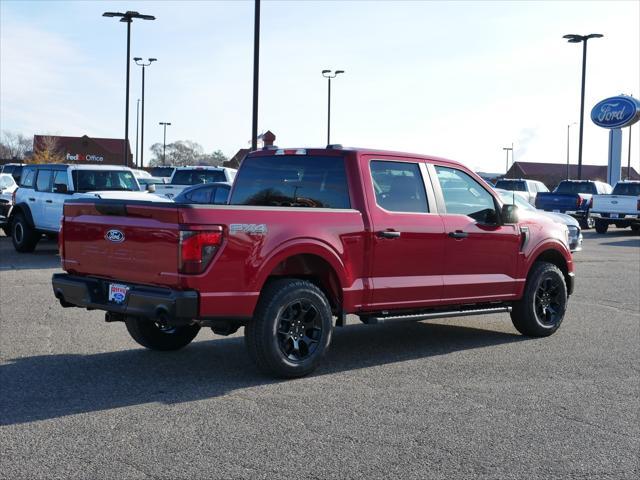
x=44, y=256
x=52, y=386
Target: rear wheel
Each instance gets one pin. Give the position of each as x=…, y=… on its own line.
x=24, y=237
x=601, y=226
x=154, y=336
x=587, y=222
x=541, y=310
x=635, y=228
x=291, y=329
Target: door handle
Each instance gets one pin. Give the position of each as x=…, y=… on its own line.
x=459, y=234
x=389, y=234
x=49, y=201
x=31, y=199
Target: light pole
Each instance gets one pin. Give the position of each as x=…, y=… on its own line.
x=256, y=76
x=137, y=122
x=329, y=75
x=127, y=17
x=140, y=63
x=573, y=38
x=507, y=149
x=629, y=153
x=568, y=128
x=164, y=142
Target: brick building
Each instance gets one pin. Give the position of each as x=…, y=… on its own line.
x=85, y=149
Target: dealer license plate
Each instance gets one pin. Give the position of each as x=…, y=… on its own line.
x=117, y=293
x=614, y=215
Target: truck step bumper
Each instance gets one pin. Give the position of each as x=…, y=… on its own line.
x=162, y=304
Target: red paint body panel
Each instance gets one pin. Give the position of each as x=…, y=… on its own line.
x=422, y=268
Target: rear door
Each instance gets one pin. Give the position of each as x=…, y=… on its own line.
x=41, y=197
x=53, y=208
x=480, y=256
x=408, y=234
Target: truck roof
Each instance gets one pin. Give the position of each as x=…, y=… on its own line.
x=64, y=166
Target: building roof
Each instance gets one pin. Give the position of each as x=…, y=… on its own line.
x=111, y=145
x=539, y=169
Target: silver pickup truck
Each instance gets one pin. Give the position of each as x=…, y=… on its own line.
x=621, y=207
x=184, y=177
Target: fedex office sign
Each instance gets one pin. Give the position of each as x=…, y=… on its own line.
x=81, y=157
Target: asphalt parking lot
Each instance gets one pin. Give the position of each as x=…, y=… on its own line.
x=460, y=398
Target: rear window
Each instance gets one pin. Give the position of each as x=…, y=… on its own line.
x=576, y=187
x=162, y=171
x=632, y=189
x=516, y=186
x=292, y=181
x=194, y=177
x=92, y=180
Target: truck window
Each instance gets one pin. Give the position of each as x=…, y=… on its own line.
x=517, y=186
x=399, y=186
x=292, y=181
x=576, y=187
x=93, y=180
x=28, y=177
x=631, y=189
x=60, y=178
x=194, y=177
x=43, y=181
x=464, y=196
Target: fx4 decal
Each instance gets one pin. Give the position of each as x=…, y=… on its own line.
x=251, y=228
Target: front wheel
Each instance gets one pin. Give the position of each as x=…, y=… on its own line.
x=291, y=329
x=541, y=310
x=601, y=226
x=587, y=222
x=158, y=337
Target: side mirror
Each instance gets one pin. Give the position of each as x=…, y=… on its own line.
x=60, y=188
x=509, y=214
x=151, y=187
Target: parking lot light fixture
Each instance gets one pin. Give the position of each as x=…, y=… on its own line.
x=164, y=142
x=141, y=63
x=507, y=149
x=127, y=17
x=328, y=74
x=574, y=38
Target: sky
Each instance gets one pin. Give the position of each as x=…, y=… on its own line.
x=459, y=80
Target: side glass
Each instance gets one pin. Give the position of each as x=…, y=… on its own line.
x=398, y=186
x=464, y=196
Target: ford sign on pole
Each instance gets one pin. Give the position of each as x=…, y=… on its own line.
x=615, y=113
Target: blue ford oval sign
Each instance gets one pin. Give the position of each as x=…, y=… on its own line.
x=616, y=112
x=115, y=236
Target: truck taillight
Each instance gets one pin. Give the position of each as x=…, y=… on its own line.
x=197, y=248
x=590, y=203
x=578, y=201
x=638, y=205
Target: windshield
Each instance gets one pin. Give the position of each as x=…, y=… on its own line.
x=292, y=181
x=92, y=180
x=631, y=189
x=576, y=187
x=196, y=176
x=517, y=186
x=6, y=181
x=515, y=199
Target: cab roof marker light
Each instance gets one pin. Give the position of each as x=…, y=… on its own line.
x=301, y=151
x=280, y=151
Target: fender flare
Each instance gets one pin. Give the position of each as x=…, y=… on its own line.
x=25, y=210
x=300, y=246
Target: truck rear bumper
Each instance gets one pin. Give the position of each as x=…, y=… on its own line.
x=162, y=304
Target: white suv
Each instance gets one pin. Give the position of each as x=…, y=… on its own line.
x=43, y=189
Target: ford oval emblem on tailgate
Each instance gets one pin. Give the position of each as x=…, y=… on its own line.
x=115, y=236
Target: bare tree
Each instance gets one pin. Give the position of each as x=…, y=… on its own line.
x=15, y=145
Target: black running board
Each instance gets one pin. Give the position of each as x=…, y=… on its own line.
x=370, y=320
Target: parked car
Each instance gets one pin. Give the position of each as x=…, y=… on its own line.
x=163, y=172
x=44, y=189
x=207, y=193
x=309, y=235
x=7, y=187
x=140, y=173
x=573, y=226
x=146, y=181
x=14, y=169
x=573, y=197
x=184, y=177
x=528, y=188
x=621, y=208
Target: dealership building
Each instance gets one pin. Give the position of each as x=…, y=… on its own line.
x=85, y=149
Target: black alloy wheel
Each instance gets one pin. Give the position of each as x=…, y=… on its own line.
x=299, y=330
x=548, y=301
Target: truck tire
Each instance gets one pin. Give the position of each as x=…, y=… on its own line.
x=602, y=226
x=541, y=310
x=23, y=236
x=291, y=329
x=587, y=222
x=155, y=337
x=635, y=228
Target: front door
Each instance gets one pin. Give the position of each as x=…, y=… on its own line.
x=480, y=255
x=408, y=235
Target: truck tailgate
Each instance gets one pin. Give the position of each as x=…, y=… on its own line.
x=133, y=242
x=560, y=202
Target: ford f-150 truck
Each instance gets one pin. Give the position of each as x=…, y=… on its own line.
x=621, y=208
x=573, y=197
x=309, y=236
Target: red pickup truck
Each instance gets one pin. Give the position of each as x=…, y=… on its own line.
x=309, y=236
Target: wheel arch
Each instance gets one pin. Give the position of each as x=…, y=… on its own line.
x=25, y=210
x=554, y=255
